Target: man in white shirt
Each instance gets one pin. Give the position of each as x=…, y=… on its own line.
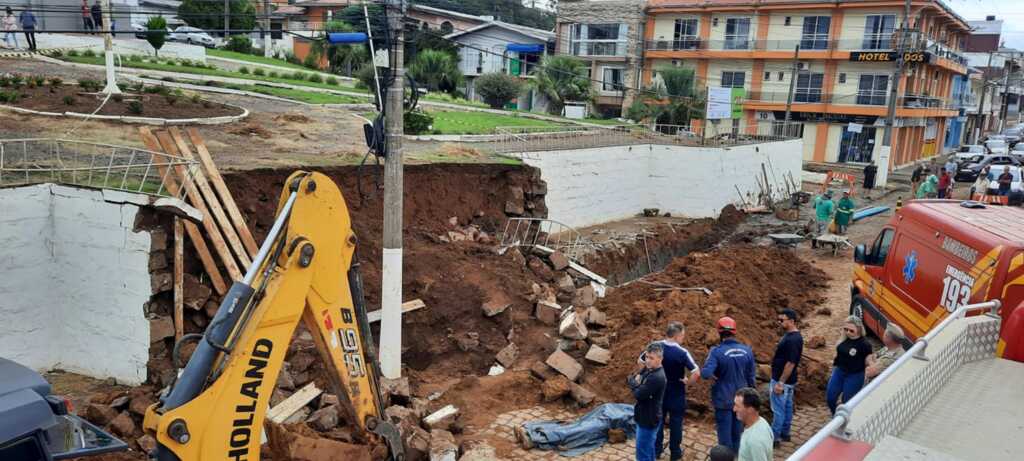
x=756, y=442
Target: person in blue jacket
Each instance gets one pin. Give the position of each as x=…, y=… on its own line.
x=731, y=366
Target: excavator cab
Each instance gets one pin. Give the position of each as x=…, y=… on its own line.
x=303, y=271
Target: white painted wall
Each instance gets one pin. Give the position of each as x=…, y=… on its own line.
x=125, y=44
x=75, y=280
x=593, y=186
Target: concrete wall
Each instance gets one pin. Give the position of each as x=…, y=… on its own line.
x=124, y=44
x=592, y=186
x=76, y=279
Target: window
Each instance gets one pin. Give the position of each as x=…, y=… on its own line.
x=878, y=31
x=598, y=39
x=733, y=79
x=788, y=21
x=737, y=33
x=880, y=249
x=447, y=28
x=872, y=90
x=815, y=33
x=767, y=76
x=480, y=62
x=611, y=79
x=808, y=87
x=842, y=78
x=782, y=76
x=686, y=35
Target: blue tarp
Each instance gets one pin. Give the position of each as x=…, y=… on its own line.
x=869, y=211
x=588, y=433
x=524, y=48
x=346, y=38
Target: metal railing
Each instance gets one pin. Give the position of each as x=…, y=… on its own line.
x=714, y=134
x=808, y=43
x=529, y=232
x=89, y=164
x=837, y=426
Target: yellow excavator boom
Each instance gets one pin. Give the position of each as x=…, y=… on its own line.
x=304, y=270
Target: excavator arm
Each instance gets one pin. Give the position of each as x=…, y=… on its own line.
x=216, y=408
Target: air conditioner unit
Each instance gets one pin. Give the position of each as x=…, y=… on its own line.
x=803, y=66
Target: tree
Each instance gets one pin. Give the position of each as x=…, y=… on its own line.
x=353, y=16
x=156, y=33
x=436, y=70
x=562, y=79
x=507, y=10
x=209, y=16
x=671, y=99
x=341, y=59
x=498, y=89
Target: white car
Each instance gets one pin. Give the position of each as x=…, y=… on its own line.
x=997, y=146
x=968, y=152
x=192, y=36
x=1018, y=151
x=141, y=31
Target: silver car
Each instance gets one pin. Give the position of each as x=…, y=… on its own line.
x=997, y=146
x=192, y=36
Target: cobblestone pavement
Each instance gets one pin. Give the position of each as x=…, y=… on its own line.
x=697, y=440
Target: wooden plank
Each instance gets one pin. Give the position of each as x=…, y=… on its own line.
x=222, y=190
x=212, y=230
x=293, y=403
x=414, y=305
x=193, y=232
x=211, y=201
x=179, y=279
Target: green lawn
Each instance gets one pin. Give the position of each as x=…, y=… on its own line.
x=163, y=66
x=253, y=58
x=453, y=122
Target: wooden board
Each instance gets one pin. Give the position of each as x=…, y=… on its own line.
x=179, y=279
x=414, y=305
x=293, y=403
x=211, y=202
x=193, y=232
x=196, y=201
x=222, y=190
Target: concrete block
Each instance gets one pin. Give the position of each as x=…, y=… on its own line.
x=507, y=356
x=442, y=446
x=581, y=395
x=596, y=317
x=554, y=389
x=585, y=297
x=572, y=326
x=599, y=355
x=565, y=364
x=441, y=419
x=548, y=312
x=494, y=307
x=558, y=261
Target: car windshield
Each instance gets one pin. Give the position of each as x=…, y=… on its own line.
x=995, y=144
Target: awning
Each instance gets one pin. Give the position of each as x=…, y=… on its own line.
x=525, y=48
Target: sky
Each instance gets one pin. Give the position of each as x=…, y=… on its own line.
x=1010, y=11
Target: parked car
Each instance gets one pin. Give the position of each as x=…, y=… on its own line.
x=970, y=151
x=192, y=36
x=1018, y=152
x=969, y=172
x=1016, y=196
x=141, y=31
x=997, y=146
x=1011, y=136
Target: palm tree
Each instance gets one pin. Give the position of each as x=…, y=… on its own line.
x=562, y=79
x=344, y=59
x=671, y=98
x=436, y=70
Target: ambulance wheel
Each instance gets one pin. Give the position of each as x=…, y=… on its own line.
x=858, y=307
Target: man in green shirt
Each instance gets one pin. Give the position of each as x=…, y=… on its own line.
x=823, y=209
x=845, y=213
x=756, y=442
x=929, y=188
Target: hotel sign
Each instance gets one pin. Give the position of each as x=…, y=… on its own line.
x=889, y=56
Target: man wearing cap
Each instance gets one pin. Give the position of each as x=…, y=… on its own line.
x=845, y=213
x=731, y=366
x=823, y=208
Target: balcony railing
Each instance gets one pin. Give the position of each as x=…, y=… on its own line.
x=807, y=43
x=599, y=48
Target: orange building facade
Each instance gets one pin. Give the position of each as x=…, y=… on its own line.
x=845, y=68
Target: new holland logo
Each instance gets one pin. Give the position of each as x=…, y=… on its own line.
x=910, y=267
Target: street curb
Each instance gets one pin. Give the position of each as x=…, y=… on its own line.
x=140, y=120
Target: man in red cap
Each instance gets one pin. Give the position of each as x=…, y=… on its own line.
x=731, y=366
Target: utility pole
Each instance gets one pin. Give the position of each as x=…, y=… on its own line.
x=886, y=151
x=266, y=29
x=108, y=49
x=1006, y=92
x=391, y=277
x=979, y=127
x=792, y=88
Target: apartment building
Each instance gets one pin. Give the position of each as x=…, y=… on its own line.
x=845, y=67
x=608, y=36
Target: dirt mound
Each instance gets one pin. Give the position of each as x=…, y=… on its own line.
x=292, y=118
x=251, y=129
x=749, y=283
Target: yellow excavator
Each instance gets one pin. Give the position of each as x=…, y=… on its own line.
x=304, y=270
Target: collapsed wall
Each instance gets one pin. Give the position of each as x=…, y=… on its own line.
x=598, y=185
x=75, y=281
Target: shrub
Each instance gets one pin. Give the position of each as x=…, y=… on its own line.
x=196, y=99
x=417, y=122
x=73, y=53
x=138, y=87
x=316, y=78
x=4, y=80
x=156, y=33
x=135, y=58
x=38, y=80
x=244, y=70
x=89, y=53
x=290, y=57
x=298, y=75
x=240, y=44
x=333, y=81
x=272, y=74
x=9, y=96
x=89, y=85
x=171, y=98
x=117, y=97
x=498, y=89
x=135, y=107
x=258, y=71
x=169, y=79
x=69, y=100
x=17, y=81
x=55, y=83
x=159, y=89
x=311, y=61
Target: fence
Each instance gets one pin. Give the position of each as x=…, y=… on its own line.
x=529, y=232
x=534, y=139
x=88, y=164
